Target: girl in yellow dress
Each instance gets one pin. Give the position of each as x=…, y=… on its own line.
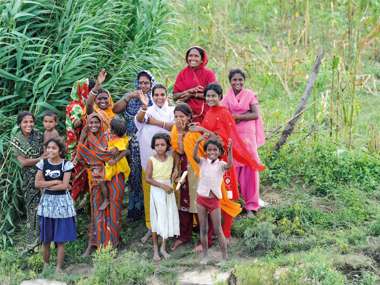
x=118, y=143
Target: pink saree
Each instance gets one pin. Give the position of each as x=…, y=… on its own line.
x=252, y=133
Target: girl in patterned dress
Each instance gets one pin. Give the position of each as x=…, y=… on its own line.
x=56, y=208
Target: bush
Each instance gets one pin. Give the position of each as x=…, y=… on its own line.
x=260, y=238
x=129, y=268
x=11, y=271
x=375, y=227
x=310, y=268
x=322, y=167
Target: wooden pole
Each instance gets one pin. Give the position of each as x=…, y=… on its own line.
x=302, y=105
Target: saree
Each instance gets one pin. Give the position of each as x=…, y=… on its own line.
x=189, y=78
x=105, y=226
x=31, y=147
x=136, y=185
x=76, y=110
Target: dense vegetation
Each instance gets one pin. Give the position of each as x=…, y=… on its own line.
x=323, y=224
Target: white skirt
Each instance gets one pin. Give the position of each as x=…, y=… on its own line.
x=163, y=212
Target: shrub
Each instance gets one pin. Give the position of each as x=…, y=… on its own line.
x=129, y=268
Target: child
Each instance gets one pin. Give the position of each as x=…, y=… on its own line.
x=118, y=144
x=209, y=190
x=163, y=208
x=56, y=209
x=50, y=122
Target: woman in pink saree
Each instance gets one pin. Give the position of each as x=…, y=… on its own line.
x=244, y=106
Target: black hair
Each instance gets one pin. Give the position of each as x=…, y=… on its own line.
x=144, y=73
x=59, y=142
x=49, y=113
x=159, y=86
x=22, y=115
x=118, y=126
x=201, y=52
x=184, y=108
x=215, y=87
x=215, y=142
x=235, y=71
x=162, y=136
x=103, y=91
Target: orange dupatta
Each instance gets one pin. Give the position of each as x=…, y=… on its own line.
x=107, y=115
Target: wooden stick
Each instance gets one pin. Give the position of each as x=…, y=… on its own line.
x=302, y=104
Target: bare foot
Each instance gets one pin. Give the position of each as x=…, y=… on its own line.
x=145, y=238
x=164, y=253
x=250, y=214
x=156, y=257
x=204, y=260
x=59, y=270
x=104, y=205
x=176, y=244
x=198, y=248
x=88, y=251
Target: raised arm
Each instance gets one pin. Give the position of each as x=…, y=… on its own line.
x=91, y=96
x=195, y=150
x=25, y=162
x=229, y=155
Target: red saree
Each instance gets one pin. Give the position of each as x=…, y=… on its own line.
x=192, y=77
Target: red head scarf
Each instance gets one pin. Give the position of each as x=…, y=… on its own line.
x=190, y=77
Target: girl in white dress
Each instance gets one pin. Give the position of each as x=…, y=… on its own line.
x=163, y=208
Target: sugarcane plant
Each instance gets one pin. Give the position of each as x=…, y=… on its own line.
x=45, y=46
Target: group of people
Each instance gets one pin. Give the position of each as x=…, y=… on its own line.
x=184, y=167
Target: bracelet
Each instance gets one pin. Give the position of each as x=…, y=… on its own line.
x=93, y=92
x=143, y=110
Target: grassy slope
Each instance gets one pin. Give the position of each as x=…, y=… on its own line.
x=318, y=230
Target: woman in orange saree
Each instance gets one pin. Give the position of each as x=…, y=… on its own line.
x=105, y=225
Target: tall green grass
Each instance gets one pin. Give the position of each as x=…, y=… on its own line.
x=45, y=46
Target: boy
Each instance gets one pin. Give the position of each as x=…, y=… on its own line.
x=50, y=122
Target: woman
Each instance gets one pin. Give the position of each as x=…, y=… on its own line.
x=100, y=100
x=181, y=138
x=130, y=104
x=219, y=122
x=158, y=118
x=105, y=225
x=192, y=80
x=244, y=107
x=75, y=120
x=28, y=148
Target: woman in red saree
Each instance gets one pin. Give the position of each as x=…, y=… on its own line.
x=219, y=122
x=105, y=225
x=192, y=80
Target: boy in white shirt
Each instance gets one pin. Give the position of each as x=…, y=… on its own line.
x=209, y=190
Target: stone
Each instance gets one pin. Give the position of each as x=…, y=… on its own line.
x=42, y=282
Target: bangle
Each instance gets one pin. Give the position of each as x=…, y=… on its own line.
x=93, y=92
x=143, y=110
x=163, y=125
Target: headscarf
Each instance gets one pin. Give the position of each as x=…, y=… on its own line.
x=98, y=141
x=107, y=114
x=190, y=77
x=76, y=110
x=134, y=104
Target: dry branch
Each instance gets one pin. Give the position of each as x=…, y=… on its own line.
x=302, y=105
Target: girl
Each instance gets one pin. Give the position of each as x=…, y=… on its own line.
x=219, y=121
x=209, y=190
x=56, y=208
x=163, y=209
x=158, y=118
x=244, y=107
x=118, y=144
